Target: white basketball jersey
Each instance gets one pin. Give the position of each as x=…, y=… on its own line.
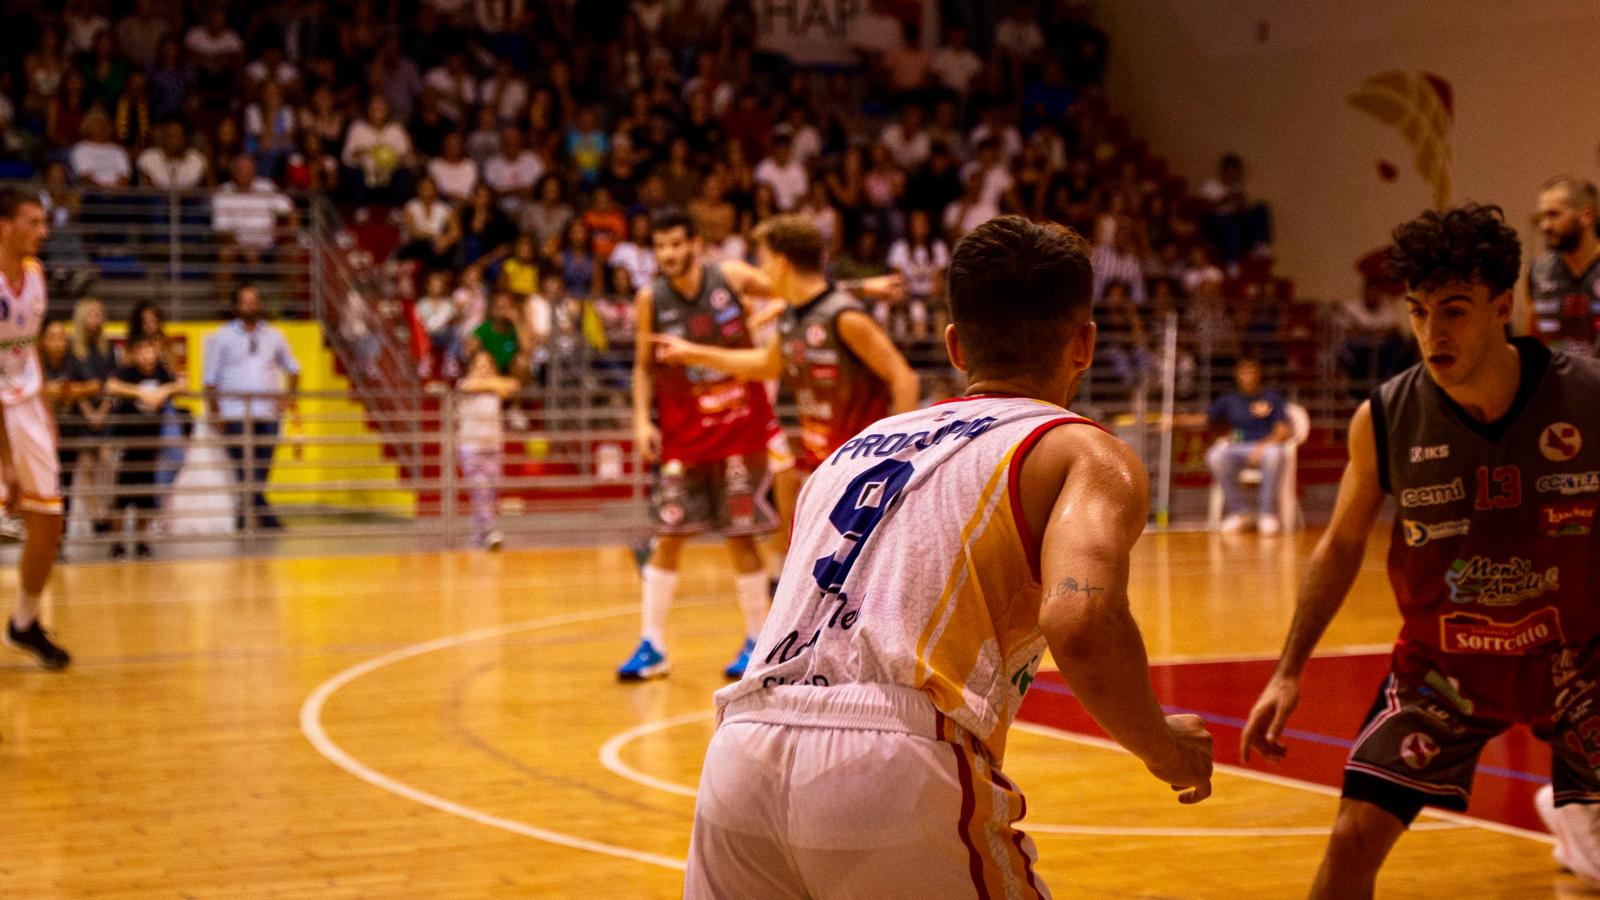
x=910, y=565
x=22, y=311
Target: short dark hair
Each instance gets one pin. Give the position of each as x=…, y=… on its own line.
x=1469, y=243
x=1017, y=290
x=795, y=238
x=670, y=218
x=1580, y=191
x=12, y=200
x=238, y=292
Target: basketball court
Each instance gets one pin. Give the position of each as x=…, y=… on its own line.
x=449, y=725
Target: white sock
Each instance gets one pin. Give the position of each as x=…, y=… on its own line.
x=754, y=601
x=659, y=586
x=27, y=611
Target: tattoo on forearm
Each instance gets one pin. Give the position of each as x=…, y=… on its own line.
x=1068, y=587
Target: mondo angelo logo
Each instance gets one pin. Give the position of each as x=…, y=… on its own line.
x=1560, y=441
x=1489, y=583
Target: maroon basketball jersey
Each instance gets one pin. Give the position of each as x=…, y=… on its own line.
x=1493, y=553
x=837, y=394
x=705, y=415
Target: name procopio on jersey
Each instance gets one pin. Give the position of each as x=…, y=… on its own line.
x=890, y=444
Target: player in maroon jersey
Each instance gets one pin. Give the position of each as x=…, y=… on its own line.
x=844, y=371
x=1491, y=448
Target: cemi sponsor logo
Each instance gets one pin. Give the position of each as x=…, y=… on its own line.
x=1434, y=494
x=1569, y=483
x=1463, y=632
x=1566, y=519
x=1427, y=454
x=1419, y=533
x=1483, y=581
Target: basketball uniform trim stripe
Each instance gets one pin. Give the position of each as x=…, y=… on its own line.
x=1017, y=835
x=952, y=587
x=969, y=805
x=1014, y=484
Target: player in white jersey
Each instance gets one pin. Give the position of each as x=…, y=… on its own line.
x=935, y=555
x=29, y=433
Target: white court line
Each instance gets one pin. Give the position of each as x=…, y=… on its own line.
x=611, y=759
x=311, y=726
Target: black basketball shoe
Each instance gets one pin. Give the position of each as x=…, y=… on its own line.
x=34, y=641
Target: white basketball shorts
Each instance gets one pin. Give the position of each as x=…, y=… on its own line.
x=30, y=457
x=859, y=790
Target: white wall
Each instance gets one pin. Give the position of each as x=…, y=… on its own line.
x=1199, y=78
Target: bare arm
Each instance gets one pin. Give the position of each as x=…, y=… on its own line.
x=746, y=279
x=1334, y=564
x=750, y=363
x=645, y=433
x=1084, y=560
x=868, y=342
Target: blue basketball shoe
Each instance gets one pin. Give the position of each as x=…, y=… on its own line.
x=735, y=669
x=646, y=662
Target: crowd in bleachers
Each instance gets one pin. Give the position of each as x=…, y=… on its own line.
x=520, y=146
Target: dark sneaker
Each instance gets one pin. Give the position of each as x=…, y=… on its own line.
x=142, y=550
x=34, y=641
x=119, y=550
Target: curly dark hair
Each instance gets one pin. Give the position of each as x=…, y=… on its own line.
x=1469, y=243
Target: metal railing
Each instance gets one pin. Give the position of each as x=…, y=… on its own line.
x=129, y=245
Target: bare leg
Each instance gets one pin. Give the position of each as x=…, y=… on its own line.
x=667, y=551
x=746, y=557
x=1363, y=835
x=38, y=556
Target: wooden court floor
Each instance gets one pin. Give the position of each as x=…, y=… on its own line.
x=448, y=726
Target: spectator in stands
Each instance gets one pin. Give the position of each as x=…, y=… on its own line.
x=907, y=140
x=1258, y=425
x=143, y=387
x=395, y=77
x=486, y=233
x=1119, y=261
x=248, y=211
x=66, y=384
x=1201, y=272
x=104, y=74
x=96, y=159
x=883, y=187
x=999, y=185
x=312, y=168
x=140, y=32
x=483, y=141
x=147, y=320
x=272, y=68
x=452, y=171
x=1123, y=347
x=513, y=171
x=581, y=271
x=969, y=210
x=783, y=173
x=173, y=165
x=1018, y=40
x=93, y=350
x=634, y=255
x=439, y=317
x=822, y=214
x=67, y=109
x=908, y=65
x=587, y=145
x=216, y=49
x=864, y=259
x=921, y=258
x=520, y=273
x=453, y=84
x=171, y=81
x=471, y=297
x=1235, y=224
x=380, y=150
x=132, y=123
x=1374, y=347
x=251, y=382
x=432, y=231
x=607, y=224
x=269, y=130
x=323, y=117
x=954, y=64
x=502, y=337
x=480, y=439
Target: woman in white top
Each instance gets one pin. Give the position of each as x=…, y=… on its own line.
x=452, y=170
x=921, y=259
x=432, y=231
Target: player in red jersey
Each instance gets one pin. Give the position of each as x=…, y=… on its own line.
x=710, y=434
x=1492, y=449
x=844, y=371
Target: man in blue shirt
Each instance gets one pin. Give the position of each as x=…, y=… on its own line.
x=251, y=378
x=1259, y=425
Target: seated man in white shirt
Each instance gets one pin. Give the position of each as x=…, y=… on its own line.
x=95, y=159
x=248, y=211
x=172, y=165
x=513, y=171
